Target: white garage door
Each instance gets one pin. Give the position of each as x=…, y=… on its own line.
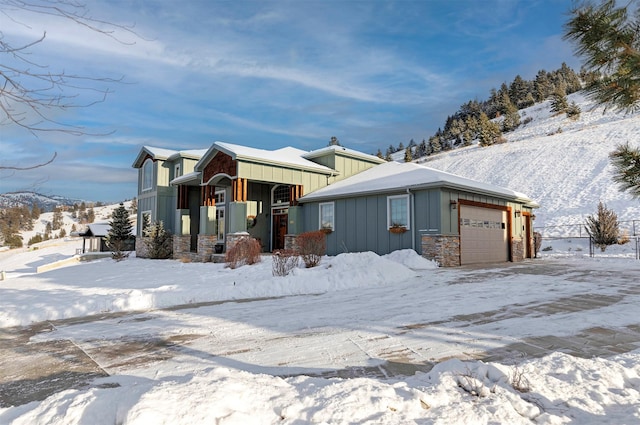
x=483, y=235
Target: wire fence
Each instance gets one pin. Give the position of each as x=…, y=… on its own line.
x=576, y=237
x=629, y=228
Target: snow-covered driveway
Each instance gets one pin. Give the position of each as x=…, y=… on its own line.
x=504, y=313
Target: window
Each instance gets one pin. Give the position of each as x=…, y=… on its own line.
x=281, y=194
x=176, y=171
x=220, y=213
x=326, y=215
x=398, y=211
x=219, y=197
x=147, y=175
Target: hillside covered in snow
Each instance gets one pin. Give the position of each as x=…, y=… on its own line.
x=561, y=163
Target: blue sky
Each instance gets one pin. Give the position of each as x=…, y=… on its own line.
x=269, y=74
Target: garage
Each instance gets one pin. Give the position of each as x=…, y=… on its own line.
x=483, y=235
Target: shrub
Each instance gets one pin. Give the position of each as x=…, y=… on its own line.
x=311, y=247
x=284, y=261
x=537, y=242
x=158, y=241
x=245, y=251
x=603, y=227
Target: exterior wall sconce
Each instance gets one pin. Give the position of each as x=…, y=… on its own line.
x=454, y=204
x=518, y=213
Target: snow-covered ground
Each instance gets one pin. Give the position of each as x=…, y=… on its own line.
x=268, y=358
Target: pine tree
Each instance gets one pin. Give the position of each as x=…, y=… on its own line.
x=379, y=154
x=57, y=219
x=609, y=41
x=489, y=132
x=603, y=227
x=334, y=141
x=573, y=111
x=35, y=211
x=119, y=233
x=91, y=215
x=559, y=102
x=158, y=241
x=626, y=162
x=407, y=155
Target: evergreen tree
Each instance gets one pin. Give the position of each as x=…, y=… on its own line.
x=400, y=147
x=387, y=156
x=603, y=227
x=626, y=162
x=62, y=233
x=511, y=116
x=407, y=155
x=119, y=233
x=158, y=241
x=608, y=38
x=91, y=215
x=542, y=87
x=422, y=149
x=334, y=141
x=489, y=132
x=573, y=111
x=47, y=229
x=57, y=219
x=559, y=102
x=35, y=211
x=379, y=154
x=434, y=144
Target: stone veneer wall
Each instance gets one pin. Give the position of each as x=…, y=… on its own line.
x=517, y=250
x=206, y=246
x=233, y=238
x=181, y=245
x=444, y=249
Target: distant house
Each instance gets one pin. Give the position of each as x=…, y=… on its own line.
x=94, y=238
x=209, y=198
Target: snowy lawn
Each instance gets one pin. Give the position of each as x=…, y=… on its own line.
x=270, y=358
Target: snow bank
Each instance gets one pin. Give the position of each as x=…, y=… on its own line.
x=556, y=389
x=140, y=284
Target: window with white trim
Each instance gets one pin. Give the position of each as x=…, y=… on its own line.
x=147, y=175
x=398, y=211
x=327, y=216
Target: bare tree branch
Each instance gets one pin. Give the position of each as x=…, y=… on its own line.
x=31, y=167
x=30, y=92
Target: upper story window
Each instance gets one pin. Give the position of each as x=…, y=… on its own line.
x=176, y=171
x=326, y=215
x=147, y=175
x=398, y=211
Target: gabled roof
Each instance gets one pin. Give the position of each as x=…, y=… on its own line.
x=395, y=176
x=166, y=154
x=341, y=150
x=97, y=229
x=288, y=157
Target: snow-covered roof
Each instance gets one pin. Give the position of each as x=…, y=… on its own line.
x=185, y=178
x=96, y=229
x=287, y=156
x=345, y=151
x=394, y=176
x=166, y=154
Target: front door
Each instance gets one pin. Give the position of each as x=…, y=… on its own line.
x=279, y=229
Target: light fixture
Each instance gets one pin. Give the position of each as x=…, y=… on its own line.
x=517, y=213
x=454, y=204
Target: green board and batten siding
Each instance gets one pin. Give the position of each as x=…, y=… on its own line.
x=253, y=171
x=361, y=222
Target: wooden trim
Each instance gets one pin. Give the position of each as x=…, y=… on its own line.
x=239, y=190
